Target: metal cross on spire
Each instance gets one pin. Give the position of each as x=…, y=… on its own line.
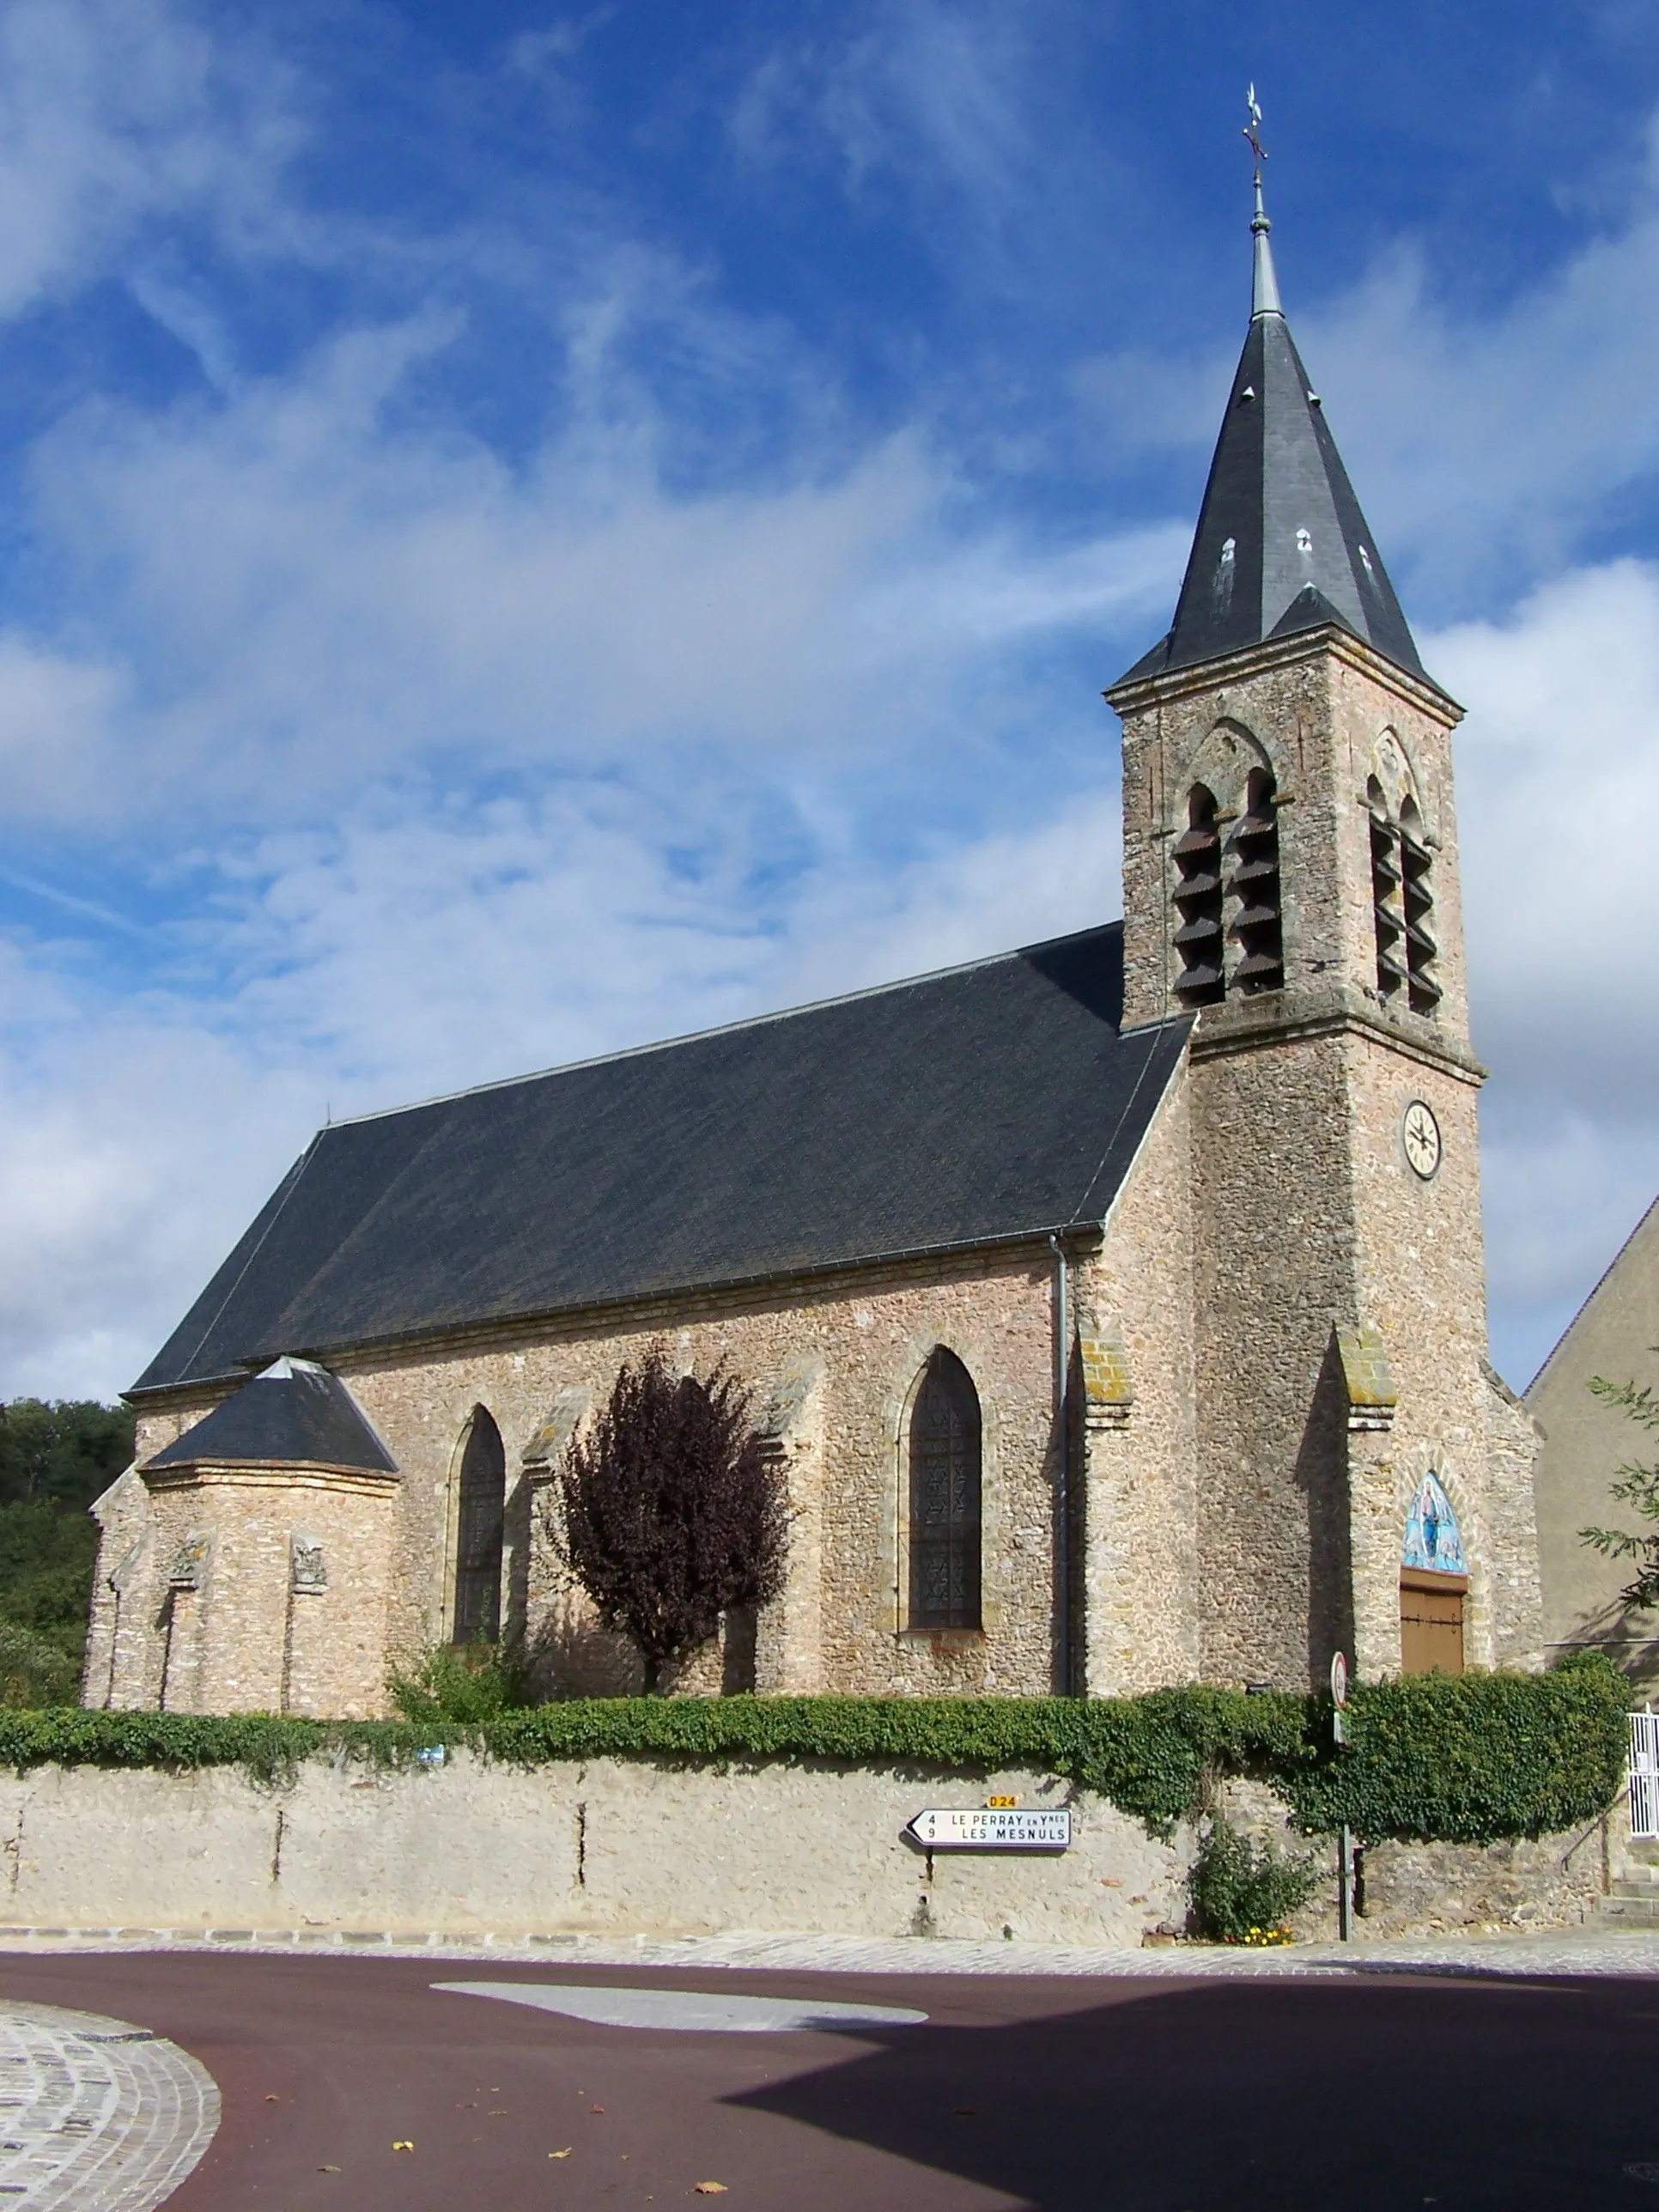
x=1252, y=132
x=1264, y=293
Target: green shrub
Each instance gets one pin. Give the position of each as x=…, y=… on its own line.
x=468, y=1683
x=1242, y=1892
x=34, y=1671
x=1471, y=1758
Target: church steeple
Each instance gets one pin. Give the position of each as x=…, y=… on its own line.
x=1281, y=544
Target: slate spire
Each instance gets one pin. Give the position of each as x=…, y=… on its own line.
x=1281, y=544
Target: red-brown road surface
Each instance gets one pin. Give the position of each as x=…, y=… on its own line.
x=1391, y=2092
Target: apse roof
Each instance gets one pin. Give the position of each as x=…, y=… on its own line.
x=1281, y=544
x=980, y=1104
x=294, y=1413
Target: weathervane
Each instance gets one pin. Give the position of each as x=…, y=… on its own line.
x=1252, y=132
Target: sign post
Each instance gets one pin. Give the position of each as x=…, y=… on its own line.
x=1344, y=1847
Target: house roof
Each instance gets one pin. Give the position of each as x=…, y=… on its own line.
x=294, y=1413
x=1281, y=544
x=981, y=1105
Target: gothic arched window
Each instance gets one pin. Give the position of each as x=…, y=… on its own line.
x=944, y=1497
x=478, y=1610
x=1197, y=894
x=1258, y=922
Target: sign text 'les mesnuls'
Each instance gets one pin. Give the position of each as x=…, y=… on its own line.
x=986, y=1828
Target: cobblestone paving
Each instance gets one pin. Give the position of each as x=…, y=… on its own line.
x=1594, y=1948
x=95, y=2115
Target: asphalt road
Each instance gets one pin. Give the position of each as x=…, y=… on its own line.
x=1389, y=2092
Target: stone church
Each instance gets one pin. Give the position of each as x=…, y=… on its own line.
x=1117, y=1306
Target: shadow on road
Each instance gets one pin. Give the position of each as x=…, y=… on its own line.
x=1232, y=2097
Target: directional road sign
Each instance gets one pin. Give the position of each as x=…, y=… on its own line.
x=988, y=1828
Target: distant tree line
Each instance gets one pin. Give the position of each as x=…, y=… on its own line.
x=54, y=1460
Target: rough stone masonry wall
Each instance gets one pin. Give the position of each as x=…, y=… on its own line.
x=239, y=1637
x=1272, y=1138
x=1143, y=1597
x=1420, y=1272
x=848, y=1359
x=626, y=1847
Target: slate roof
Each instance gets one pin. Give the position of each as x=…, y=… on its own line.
x=294, y=1413
x=984, y=1103
x=1281, y=544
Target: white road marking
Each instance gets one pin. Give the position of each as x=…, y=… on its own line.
x=687, y=2009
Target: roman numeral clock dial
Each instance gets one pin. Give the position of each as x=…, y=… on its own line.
x=1420, y=1134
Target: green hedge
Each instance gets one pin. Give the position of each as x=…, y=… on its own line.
x=1472, y=1759
x=1477, y=1760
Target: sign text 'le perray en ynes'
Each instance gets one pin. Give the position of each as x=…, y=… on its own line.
x=991, y=1828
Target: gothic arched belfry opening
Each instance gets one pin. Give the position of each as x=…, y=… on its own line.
x=1338, y=1275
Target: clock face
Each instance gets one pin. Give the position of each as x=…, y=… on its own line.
x=1421, y=1135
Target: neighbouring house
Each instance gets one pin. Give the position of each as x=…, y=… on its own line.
x=1614, y=1335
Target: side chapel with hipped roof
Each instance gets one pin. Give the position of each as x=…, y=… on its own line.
x=1115, y=1307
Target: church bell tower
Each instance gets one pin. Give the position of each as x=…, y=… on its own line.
x=1290, y=884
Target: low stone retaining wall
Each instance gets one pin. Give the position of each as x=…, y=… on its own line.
x=626, y=1846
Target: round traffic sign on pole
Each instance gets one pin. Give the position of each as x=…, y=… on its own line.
x=1339, y=1680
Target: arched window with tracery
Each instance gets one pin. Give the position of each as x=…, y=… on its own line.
x=944, y=1497
x=476, y=1615
x=1198, y=896
x=1258, y=919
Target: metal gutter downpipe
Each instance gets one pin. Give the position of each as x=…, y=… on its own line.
x=1063, y=1669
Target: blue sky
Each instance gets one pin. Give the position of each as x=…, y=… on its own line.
x=525, y=530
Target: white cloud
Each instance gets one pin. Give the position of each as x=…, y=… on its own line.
x=116, y=113
x=303, y=589
x=1556, y=765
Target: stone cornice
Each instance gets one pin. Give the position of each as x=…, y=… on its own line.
x=1252, y=1024
x=1131, y=694
x=269, y=1474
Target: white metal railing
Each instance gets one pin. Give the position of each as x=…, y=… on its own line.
x=1644, y=1774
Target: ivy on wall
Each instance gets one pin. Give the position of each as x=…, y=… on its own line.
x=1476, y=1758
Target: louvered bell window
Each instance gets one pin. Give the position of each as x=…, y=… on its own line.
x=945, y=1498
x=478, y=1612
x=1417, y=899
x=1258, y=921
x=1387, y=910
x=1197, y=896
x=1402, y=902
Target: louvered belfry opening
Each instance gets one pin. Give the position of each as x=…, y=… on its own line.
x=477, y=1613
x=945, y=1498
x=1258, y=920
x=1418, y=896
x=1198, y=938
x=1387, y=910
x=1402, y=902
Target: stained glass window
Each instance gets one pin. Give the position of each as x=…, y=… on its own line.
x=479, y=1535
x=1433, y=1543
x=945, y=1498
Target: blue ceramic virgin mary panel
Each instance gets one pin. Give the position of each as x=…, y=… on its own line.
x=1433, y=1542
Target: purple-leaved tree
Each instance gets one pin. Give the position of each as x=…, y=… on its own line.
x=670, y=1511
